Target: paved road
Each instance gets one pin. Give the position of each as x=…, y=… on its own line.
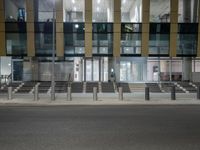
x=100, y=128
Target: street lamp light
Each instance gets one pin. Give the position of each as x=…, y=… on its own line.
x=53, y=56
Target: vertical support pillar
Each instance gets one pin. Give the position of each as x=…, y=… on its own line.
x=88, y=28
x=145, y=27
x=59, y=29
x=30, y=28
x=173, y=27
x=117, y=28
x=2, y=30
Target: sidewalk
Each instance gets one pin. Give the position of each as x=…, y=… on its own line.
x=103, y=99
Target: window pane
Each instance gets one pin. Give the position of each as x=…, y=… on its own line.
x=131, y=10
x=188, y=11
x=16, y=44
x=15, y=12
x=43, y=43
x=102, y=10
x=74, y=10
x=44, y=10
x=159, y=10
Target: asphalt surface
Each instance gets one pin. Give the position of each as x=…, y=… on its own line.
x=100, y=128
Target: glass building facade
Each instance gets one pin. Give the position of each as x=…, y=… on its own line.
x=132, y=40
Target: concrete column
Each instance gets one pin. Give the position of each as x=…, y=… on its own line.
x=30, y=28
x=88, y=28
x=173, y=27
x=2, y=30
x=187, y=69
x=59, y=29
x=145, y=27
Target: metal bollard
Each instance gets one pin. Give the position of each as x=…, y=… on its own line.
x=121, y=93
x=173, y=93
x=9, y=93
x=198, y=93
x=36, y=93
x=147, y=95
x=69, y=94
x=95, y=93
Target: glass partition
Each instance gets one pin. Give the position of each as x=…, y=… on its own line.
x=74, y=10
x=131, y=11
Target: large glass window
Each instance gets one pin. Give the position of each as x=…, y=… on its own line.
x=102, y=38
x=131, y=38
x=159, y=38
x=16, y=43
x=16, y=38
x=188, y=11
x=15, y=10
x=102, y=10
x=74, y=10
x=131, y=11
x=187, y=39
x=74, y=38
x=44, y=10
x=43, y=38
x=159, y=10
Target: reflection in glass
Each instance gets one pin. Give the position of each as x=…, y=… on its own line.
x=131, y=10
x=188, y=11
x=102, y=10
x=43, y=10
x=15, y=11
x=43, y=43
x=159, y=10
x=16, y=43
x=74, y=10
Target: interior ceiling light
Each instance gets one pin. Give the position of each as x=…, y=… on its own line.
x=124, y=1
x=73, y=1
x=98, y=1
x=76, y=26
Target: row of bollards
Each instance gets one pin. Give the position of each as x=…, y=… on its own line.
x=95, y=96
